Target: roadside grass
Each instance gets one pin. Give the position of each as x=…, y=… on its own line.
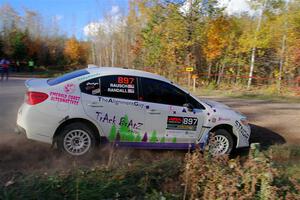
x=267, y=93
x=287, y=159
x=44, y=72
x=269, y=174
x=37, y=74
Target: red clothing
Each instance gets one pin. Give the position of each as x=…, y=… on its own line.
x=4, y=63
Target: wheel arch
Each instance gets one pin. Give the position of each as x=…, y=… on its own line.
x=74, y=120
x=228, y=128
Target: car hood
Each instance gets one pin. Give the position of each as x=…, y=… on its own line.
x=214, y=104
x=223, y=107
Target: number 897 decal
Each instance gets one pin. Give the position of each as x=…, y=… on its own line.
x=182, y=123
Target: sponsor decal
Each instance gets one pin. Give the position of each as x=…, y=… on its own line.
x=123, y=121
x=64, y=98
x=124, y=134
x=122, y=102
x=223, y=119
x=96, y=91
x=171, y=109
x=182, y=123
x=213, y=120
x=94, y=87
x=88, y=76
x=241, y=129
x=69, y=88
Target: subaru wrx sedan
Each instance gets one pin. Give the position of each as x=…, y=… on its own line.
x=81, y=109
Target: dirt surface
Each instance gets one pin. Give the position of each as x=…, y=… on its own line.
x=270, y=122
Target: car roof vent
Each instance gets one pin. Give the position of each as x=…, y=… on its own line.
x=92, y=66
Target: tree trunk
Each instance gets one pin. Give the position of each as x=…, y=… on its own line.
x=209, y=71
x=112, y=53
x=254, y=47
x=221, y=73
x=283, y=47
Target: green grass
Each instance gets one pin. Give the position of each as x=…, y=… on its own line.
x=287, y=159
x=139, y=179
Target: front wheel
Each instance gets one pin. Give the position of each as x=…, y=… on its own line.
x=220, y=142
x=76, y=139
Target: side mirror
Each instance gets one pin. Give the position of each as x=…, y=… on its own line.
x=189, y=106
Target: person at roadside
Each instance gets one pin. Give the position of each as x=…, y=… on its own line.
x=18, y=66
x=5, y=68
x=30, y=65
x=1, y=68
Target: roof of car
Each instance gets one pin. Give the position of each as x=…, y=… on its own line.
x=123, y=71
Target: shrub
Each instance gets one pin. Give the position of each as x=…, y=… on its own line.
x=208, y=177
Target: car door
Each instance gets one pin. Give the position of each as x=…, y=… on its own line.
x=167, y=119
x=112, y=102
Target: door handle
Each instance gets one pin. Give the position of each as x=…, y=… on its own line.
x=153, y=112
x=95, y=104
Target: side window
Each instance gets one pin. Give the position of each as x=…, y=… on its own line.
x=195, y=103
x=91, y=87
x=119, y=86
x=161, y=92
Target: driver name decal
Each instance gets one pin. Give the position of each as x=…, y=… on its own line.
x=123, y=85
x=182, y=123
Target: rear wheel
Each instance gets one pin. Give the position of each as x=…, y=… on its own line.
x=221, y=142
x=76, y=139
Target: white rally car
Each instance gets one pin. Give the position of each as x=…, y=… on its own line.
x=127, y=107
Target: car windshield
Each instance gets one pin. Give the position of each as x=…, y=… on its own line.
x=67, y=77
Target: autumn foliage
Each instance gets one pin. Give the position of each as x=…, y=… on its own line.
x=76, y=52
x=26, y=37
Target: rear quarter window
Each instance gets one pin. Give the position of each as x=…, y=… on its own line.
x=91, y=87
x=67, y=77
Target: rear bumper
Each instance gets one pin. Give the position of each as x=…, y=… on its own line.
x=34, y=124
x=20, y=130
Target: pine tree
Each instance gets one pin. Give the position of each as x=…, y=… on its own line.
x=112, y=133
x=124, y=130
x=137, y=138
x=130, y=136
x=153, y=137
x=174, y=140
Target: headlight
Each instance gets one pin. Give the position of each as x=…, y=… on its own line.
x=245, y=122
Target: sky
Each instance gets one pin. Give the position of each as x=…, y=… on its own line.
x=235, y=6
x=74, y=15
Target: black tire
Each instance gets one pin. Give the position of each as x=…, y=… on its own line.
x=82, y=134
x=222, y=135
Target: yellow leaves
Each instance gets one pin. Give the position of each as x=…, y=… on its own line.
x=217, y=37
x=72, y=49
x=75, y=51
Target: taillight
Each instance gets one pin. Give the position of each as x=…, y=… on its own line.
x=34, y=98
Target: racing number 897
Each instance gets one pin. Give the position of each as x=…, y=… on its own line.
x=190, y=121
x=125, y=80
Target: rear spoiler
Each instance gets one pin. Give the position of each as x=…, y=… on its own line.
x=36, y=82
x=27, y=82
